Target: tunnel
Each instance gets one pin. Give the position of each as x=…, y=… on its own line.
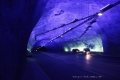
x=50, y=30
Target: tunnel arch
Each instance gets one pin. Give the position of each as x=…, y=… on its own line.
x=50, y=20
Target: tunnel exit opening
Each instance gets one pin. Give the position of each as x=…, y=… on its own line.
x=94, y=43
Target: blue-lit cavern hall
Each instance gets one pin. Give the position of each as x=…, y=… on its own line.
x=59, y=39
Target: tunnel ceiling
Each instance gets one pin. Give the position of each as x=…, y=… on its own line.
x=104, y=35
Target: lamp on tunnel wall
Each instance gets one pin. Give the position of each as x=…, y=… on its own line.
x=100, y=14
x=107, y=7
x=92, y=19
x=41, y=48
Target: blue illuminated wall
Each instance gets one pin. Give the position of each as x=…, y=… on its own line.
x=17, y=19
x=103, y=36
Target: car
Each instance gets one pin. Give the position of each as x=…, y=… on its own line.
x=75, y=50
x=86, y=51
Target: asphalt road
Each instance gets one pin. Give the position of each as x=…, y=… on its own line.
x=66, y=66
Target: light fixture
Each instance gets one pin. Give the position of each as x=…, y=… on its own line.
x=100, y=14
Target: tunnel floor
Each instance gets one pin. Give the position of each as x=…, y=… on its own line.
x=65, y=66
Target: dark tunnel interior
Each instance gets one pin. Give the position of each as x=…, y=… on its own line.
x=53, y=30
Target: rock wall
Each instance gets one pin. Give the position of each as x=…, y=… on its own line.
x=16, y=23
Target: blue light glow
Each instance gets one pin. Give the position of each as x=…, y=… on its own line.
x=62, y=13
x=100, y=14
